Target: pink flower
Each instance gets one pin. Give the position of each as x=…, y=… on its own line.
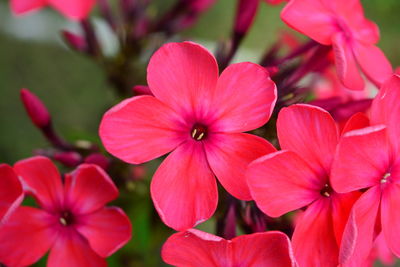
x=73, y=9
x=11, y=193
x=341, y=23
x=297, y=177
x=194, y=248
x=72, y=222
x=200, y=117
x=369, y=159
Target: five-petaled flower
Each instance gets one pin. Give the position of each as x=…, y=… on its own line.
x=72, y=221
x=73, y=9
x=195, y=248
x=297, y=177
x=368, y=159
x=200, y=117
x=341, y=23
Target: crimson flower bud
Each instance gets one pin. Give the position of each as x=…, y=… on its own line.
x=75, y=41
x=69, y=158
x=98, y=159
x=35, y=108
x=245, y=14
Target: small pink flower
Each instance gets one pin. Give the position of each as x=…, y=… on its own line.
x=73, y=9
x=200, y=117
x=72, y=221
x=369, y=159
x=11, y=193
x=341, y=23
x=195, y=248
x=297, y=177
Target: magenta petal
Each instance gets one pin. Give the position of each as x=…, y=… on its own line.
x=184, y=189
x=183, y=76
x=41, y=178
x=390, y=217
x=23, y=6
x=311, y=18
x=358, y=121
x=362, y=155
x=386, y=109
x=106, y=230
x=269, y=249
x=74, y=9
x=373, y=62
x=359, y=232
x=88, y=189
x=11, y=193
x=311, y=132
x=230, y=154
x=25, y=237
x=314, y=241
x=194, y=248
x=346, y=66
x=245, y=97
x=71, y=249
x=140, y=129
x=281, y=182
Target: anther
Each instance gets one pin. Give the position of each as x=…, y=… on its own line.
x=326, y=191
x=198, y=132
x=385, y=178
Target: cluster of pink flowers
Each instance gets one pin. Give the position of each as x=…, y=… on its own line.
x=339, y=177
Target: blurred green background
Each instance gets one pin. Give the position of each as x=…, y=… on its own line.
x=76, y=92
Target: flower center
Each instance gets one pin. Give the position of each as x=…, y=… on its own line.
x=326, y=191
x=199, y=132
x=385, y=178
x=66, y=218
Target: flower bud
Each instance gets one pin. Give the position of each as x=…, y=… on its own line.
x=75, y=41
x=98, y=159
x=245, y=14
x=69, y=158
x=36, y=110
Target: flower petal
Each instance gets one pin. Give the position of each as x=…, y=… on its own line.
x=362, y=155
x=73, y=9
x=345, y=62
x=359, y=233
x=269, y=249
x=24, y=6
x=311, y=132
x=184, y=189
x=373, y=62
x=71, y=249
x=25, y=237
x=229, y=155
x=314, y=241
x=11, y=193
x=245, y=97
x=390, y=217
x=358, y=121
x=386, y=109
x=88, y=189
x=106, y=230
x=281, y=182
x=183, y=76
x=41, y=178
x=140, y=129
x=311, y=18
x=195, y=249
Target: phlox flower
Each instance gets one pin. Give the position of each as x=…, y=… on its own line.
x=369, y=159
x=200, y=117
x=73, y=9
x=11, y=193
x=341, y=23
x=194, y=248
x=298, y=177
x=71, y=222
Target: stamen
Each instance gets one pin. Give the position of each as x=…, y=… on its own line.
x=199, y=132
x=385, y=178
x=63, y=221
x=66, y=218
x=326, y=191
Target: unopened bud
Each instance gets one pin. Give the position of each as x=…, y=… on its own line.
x=75, y=41
x=98, y=159
x=245, y=14
x=35, y=108
x=141, y=90
x=69, y=158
